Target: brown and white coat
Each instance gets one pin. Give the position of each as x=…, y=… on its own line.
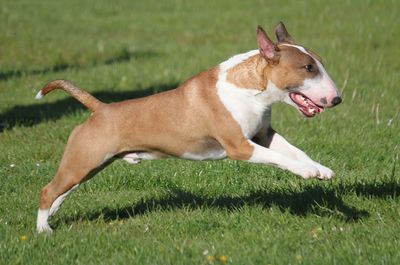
x=222, y=112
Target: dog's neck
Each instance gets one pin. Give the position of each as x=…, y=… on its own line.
x=248, y=71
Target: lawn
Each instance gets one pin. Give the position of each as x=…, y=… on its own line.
x=181, y=212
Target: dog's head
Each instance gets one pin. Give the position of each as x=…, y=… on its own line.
x=297, y=72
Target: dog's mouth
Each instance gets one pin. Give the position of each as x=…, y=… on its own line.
x=305, y=105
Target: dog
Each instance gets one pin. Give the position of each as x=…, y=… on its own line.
x=222, y=112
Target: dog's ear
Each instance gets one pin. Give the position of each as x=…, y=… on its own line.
x=267, y=48
x=282, y=35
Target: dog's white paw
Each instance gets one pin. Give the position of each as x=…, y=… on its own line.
x=312, y=170
x=45, y=228
x=324, y=172
x=42, y=226
x=304, y=170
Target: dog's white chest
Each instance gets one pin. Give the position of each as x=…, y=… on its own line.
x=249, y=113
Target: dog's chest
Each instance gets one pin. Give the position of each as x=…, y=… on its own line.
x=246, y=110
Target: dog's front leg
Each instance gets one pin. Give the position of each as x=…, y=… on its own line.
x=276, y=142
x=248, y=150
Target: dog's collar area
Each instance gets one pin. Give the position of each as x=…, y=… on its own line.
x=305, y=105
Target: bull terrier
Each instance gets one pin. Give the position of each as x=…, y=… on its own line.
x=222, y=112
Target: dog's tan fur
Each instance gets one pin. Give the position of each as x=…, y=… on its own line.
x=249, y=74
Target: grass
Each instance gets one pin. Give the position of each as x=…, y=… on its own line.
x=180, y=212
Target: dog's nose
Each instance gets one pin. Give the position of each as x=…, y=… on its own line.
x=336, y=101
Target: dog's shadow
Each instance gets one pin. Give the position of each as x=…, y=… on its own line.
x=124, y=55
x=316, y=200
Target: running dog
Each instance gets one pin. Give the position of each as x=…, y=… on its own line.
x=222, y=112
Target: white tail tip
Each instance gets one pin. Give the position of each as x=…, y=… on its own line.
x=39, y=95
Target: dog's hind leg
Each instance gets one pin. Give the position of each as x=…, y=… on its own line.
x=85, y=154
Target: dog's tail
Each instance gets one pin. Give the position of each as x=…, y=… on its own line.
x=82, y=96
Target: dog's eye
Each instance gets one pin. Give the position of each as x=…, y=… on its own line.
x=309, y=67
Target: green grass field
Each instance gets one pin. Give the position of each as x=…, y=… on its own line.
x=181, y=212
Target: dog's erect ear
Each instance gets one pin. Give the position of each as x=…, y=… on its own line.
x=268, y=49
x=282, y=35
